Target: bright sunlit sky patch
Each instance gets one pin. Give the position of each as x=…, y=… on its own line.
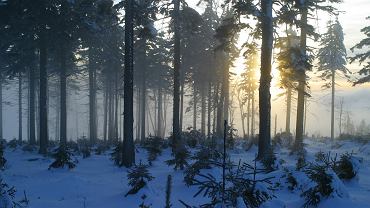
x=353, y=19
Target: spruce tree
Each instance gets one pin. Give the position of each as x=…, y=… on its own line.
x=332, y=59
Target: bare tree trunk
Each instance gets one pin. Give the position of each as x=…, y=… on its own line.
x=301, y=85
x=20, y=106
x=182, y=91
x=209, y=108
x=332, y=103
x=242, y=116
x=195, y=101
x=176, y=88
x=43, y=92
x=63, y=98
x=203, y=112
x=92, y=97
x=265, y=80
x=143, y=98
x=128, y=156
x=248, y=115
x=340, y=116
x=288, y=109
x=159, y=114
x=1, y=106
x=105, y=109
x=253, y=112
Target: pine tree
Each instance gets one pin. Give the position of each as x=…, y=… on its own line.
x=363, y=58
x=138, y=177
x=332, y=59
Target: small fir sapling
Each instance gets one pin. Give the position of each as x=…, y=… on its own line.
x=7, y=197
x=116, y=155
x=63, y=157
x=323, y=188
x=138, y=177
x=168, y=191
x=346, y=167
x=242, y=185
x=204, y=158
x=2, y=158
x=84, y=147
x=181, y=155
x=13, y=143
x=153, y=145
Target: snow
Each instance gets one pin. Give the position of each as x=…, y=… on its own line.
x=96, y=182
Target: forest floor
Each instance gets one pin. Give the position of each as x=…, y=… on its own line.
x=97, y=183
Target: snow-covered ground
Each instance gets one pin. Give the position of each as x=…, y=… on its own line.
x=97, y=183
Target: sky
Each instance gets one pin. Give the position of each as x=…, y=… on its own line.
x=356, y=99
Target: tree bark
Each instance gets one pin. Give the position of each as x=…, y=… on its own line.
x=203, y=112
x=209, y=108
x=92, y=97
x=43, y=108
x=195, y=102
x=143, y=96
x=176, y=75
x=332, y=103
x=288, y=109
x=301, y=85
x=31, y=106
x=20, y=107
x=128, y=156
x=63, y=97
x=1, y=106
x=265, y=80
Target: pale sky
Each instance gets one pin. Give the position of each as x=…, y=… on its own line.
x=356, y=99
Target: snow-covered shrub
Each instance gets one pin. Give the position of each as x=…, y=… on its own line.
x=180, y=160
x=63, y=157
x=283, y=139
x=192, y=137
x=168, y=191
x=84, y=147
x=13, y=143
x=138, y=176
x=7, y=197
x=241, y=186
x=347, y=167
x=73, y=146
x=29, y=148
x=301, y=162
x=2, y=158
x=116, y=155
x=291, y=180
x=323, y=185
x=154, y=147
x=204, y=158
x=101, y=147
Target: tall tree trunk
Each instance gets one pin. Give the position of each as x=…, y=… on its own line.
x=159, y=114
x=332, y=103
x=298, y=145
x=209, y=108
x=176, y=75
x=182, y=91
x=43, y=93
x=116, y=113
x=143, y=97
x=265, y=80
x=31, y=106
x=92, y=97
x=20, y=107
x=195, y=102
x=63, y=97
x=128, y=156
x=242, y=117
x=248, y=114
x=288, y=109
x=105, y=113
x=340, y=116
x=203, y=112
x=253, y=112
x=1, y=106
